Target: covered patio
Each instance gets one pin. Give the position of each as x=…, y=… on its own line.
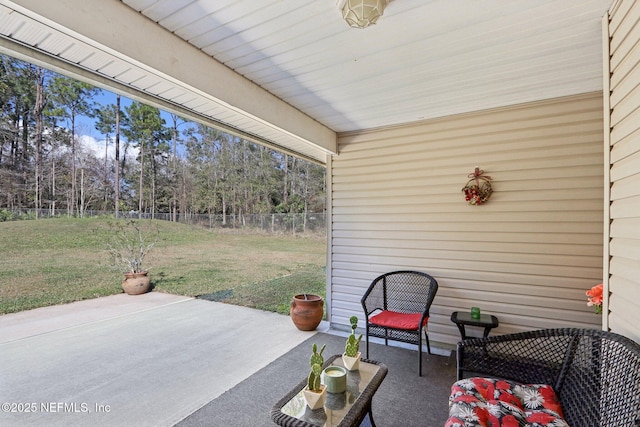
x=542, y=96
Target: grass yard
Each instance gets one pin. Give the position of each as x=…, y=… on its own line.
x=55, y=261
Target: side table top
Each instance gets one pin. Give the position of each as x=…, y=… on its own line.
x=464, y=317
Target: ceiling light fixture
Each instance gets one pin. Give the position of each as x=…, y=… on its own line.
x=362, y=13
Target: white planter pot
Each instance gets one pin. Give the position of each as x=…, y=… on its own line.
x=315, y=400
x=351, y=363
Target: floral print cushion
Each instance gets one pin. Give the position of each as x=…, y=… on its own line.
x=493, y=402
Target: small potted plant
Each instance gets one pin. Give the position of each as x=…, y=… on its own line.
x=315, y=393
x=128, y=244
x=351, y=355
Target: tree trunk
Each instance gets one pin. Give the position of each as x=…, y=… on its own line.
x=37, y=111
x=153, y=182
x=73, y=164
x=285, y=189
x=141, y=179
x=106, y=175
x=81, y=213
x=224, y=209
x=53, y=186
x=117, y=179
x=174, y=180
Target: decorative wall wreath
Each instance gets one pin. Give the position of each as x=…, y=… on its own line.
x=478, y=189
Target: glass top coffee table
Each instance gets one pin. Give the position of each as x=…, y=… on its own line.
x=340, y=409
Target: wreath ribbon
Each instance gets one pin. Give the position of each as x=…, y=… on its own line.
x=476, y=174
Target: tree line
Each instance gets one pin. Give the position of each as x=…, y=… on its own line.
x=179, y=167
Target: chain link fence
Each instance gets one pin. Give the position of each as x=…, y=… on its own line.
x=290, y=223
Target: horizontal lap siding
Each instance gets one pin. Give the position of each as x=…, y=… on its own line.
x=527, y=256
x=624, y=173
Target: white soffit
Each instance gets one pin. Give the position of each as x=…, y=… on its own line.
x=423, y=59
x=152, y=65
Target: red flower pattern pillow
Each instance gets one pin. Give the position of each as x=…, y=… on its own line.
x=489, y=402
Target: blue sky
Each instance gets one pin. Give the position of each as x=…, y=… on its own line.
x=91, y=138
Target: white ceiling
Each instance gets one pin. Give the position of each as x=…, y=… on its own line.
x=423, y=59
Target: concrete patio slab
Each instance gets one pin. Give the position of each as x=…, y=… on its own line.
x=48, y=319
x=147, y=360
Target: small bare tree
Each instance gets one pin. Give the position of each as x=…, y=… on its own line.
x=129, y=242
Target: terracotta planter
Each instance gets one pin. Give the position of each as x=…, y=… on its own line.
x=136, y=283
x=307, y=311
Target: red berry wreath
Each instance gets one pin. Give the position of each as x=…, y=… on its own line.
x=478, y=189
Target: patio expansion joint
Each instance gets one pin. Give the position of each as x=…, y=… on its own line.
x=87, y=323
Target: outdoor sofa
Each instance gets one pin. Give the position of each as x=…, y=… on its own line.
x=556, y=377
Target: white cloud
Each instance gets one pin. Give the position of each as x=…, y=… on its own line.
x=96, y=147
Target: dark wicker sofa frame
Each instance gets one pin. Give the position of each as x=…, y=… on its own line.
x=596, y=374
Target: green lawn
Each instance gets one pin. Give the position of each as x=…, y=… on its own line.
x=55, y=261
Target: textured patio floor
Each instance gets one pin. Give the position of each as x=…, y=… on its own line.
x=146, y=360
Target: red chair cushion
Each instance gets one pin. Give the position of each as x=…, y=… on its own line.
x=489, y=402
x=393, y=319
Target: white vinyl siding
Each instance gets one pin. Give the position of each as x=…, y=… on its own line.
x=624, y=173
x=527, y=256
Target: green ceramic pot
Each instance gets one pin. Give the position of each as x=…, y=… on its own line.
x=335, y=378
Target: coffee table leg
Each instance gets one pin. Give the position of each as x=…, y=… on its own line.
x=373, y=424
x=368, y=422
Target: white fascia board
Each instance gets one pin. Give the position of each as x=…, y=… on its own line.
x=113, y=27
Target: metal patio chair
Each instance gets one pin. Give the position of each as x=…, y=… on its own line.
x=396, y=307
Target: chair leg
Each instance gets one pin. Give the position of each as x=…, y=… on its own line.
x=426, y=336
x=367, y=339
x=420, y=353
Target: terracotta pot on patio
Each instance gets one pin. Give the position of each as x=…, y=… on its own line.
x=307, y=311
x=136, y=283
